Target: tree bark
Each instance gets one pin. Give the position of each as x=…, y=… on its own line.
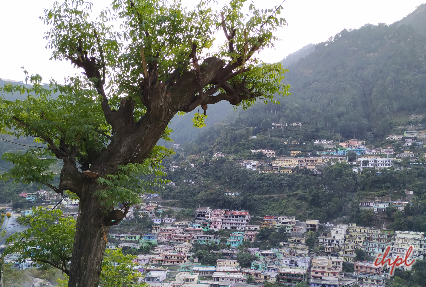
x=90, y=240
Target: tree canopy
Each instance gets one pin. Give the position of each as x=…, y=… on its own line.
x=143, y=62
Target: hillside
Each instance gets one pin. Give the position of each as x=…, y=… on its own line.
x=360, y=84
x=416, y=19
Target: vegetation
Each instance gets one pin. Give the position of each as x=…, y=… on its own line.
x=103, y=127
x=414, y=278
x=333, y=194
x=48, y=241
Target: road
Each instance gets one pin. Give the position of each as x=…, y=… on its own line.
x=11, y=226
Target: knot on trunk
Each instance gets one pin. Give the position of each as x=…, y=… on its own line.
x=113, y=217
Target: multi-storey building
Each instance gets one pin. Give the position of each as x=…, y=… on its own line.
x=312, y=225
x=216, y=217
x=403, y=240
x=202, y=214
x=224, y=277
x=291, y=275
x=227, y=263
x=235, y=219
x=236, y=239
x=376, y=241
x=169, y=258
x=326, y=267
x=335, y=241
x=367, y=268
x=371, y=280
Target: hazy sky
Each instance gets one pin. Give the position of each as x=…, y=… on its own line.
x=309, y=21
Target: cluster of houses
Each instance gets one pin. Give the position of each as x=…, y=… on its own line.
x=379, y=158
x=291, y=263
x=44, y=195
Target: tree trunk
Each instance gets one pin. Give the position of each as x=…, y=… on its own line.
x=89, y=242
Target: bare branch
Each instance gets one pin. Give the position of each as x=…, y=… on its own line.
x=62, y=268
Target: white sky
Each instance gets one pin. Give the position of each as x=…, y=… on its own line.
x=309, y=21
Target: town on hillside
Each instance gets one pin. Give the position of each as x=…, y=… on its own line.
x=223, y=248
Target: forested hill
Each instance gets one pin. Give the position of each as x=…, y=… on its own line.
x=358, y=84
x=360, y=81
x=417, y=19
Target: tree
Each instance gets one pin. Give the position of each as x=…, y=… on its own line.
x=48, y=241
x=351, y=155
x=361, y=255
x=311, y=239
x=245, y=259
x=44, y=229
x=103, y=127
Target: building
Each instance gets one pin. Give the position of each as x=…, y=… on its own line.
x=169, y=258
x=326, y=267
x=216, y=218
x=367, y=267
x=312, y=225
x=186, y=278
x=375, y=162
x=236, y=239
x=204, y=271
x=227, y=263
x=235, y=219
x=335, y=240
x=403, y=240
x=156, y=276
x=291, y=275
x=228, y=277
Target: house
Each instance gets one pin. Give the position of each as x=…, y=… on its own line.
x=312, y=225
x=228, y=277
x=367, y=267
x=250, y=164
x=371, y=280
x=411, y=134
x=335, y=240
x=375, y=162
x=204, y=238
x=235, y=219
x=156, y=276
x=31, y=197
x=277, y=126
x=403, y=240
x=266, y=152
x=295, y=152
x=326, y=267
x=332, y=282
x=149, y=238
x=169, y=220
x=236, y=239
x=291, y=275
x=169, y=258
x=295, y=261
x=186, y=278
x=142, y=259
x=183, y=247
x=259, y=276
x=26, y=212
x=227, y=263
x=216, y=217
x=250, y=235
x=205, y=271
